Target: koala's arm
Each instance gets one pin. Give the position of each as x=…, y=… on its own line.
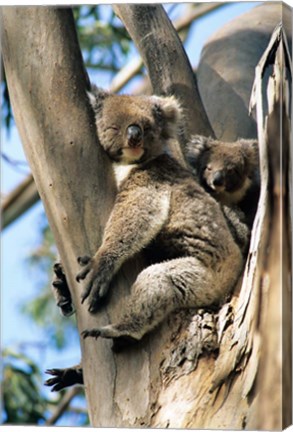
x=137, y=217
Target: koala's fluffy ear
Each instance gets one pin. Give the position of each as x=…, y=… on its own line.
x=250, y=151
x=96, y=97
x=168, y=113
x=196, y=146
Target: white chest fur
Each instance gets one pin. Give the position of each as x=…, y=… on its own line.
x=122, y=172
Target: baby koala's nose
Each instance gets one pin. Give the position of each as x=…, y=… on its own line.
x=134, y=135
x=218, y=179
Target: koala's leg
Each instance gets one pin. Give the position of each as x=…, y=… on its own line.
x=64, y=377
x=161, y=289
x=61, y=291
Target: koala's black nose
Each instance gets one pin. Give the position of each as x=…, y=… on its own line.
x=134, y=135
x=218, y=179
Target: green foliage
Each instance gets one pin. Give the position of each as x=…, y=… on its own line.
x=23, y=402
x=104, y=41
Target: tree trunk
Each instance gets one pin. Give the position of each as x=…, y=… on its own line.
x=47, y=86
x=198, y=370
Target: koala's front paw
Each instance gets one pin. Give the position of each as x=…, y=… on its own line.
x=97, y=278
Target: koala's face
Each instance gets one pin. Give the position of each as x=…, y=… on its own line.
x=133, y=129
x=223, y=168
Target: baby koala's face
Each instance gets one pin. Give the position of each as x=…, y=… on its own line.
x=134, y=129
x=224, y=169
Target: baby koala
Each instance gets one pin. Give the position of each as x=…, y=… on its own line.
x=227, y=170
x=160, y=210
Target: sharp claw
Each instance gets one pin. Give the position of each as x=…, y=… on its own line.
x=92, y=309
x=82, y=275
x=85, y=334
x=57, y=268
x=58, y=283
x=53, y=372
x=57, y=387
x=78, y=278
x=91, y=333
x=85, y=295
x=83, y=260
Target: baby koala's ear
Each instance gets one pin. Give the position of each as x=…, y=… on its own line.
x=197, y=145
x=250, y=150
x=96, y=97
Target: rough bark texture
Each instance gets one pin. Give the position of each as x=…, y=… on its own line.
x=197, y=370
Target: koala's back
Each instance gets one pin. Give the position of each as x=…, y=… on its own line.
x=195, y=226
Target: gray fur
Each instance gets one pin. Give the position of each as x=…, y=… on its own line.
x=162, y=209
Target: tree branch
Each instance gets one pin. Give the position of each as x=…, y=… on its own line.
x=19, y=200
x=63, y=405
x=164, y=57
x=134, y=66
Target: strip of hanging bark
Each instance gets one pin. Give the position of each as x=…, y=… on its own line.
x=275, y=373
x=252, y=346
x=166, y=61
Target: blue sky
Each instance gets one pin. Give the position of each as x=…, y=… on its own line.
x=20, y=237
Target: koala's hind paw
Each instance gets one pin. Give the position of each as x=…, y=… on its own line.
x=63, y=378
x=61, y=291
